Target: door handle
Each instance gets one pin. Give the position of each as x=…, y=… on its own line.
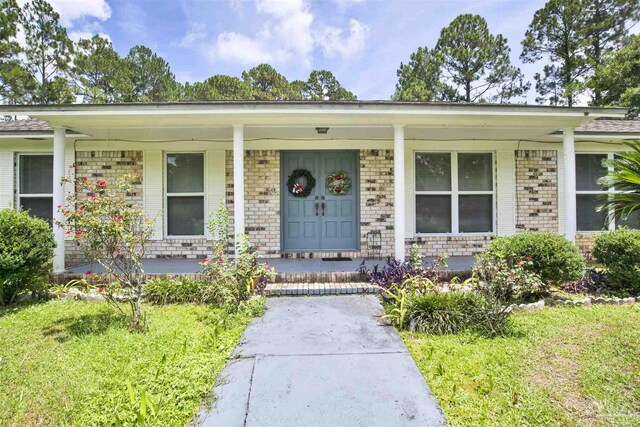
x=322, y=204
x=317, y=208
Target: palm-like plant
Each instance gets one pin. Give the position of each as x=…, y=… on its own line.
x=624, y=177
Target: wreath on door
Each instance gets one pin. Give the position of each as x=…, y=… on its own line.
x=339, y=183
x=300, y=188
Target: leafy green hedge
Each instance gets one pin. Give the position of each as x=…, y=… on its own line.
x=555, y=259
x=26, y=252
x=619, y=252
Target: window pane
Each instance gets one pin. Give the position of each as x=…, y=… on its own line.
x=588, y=218
x=476, y=213
x=433, y=214
x=475, y=172
x=40, y=207
x=185, y=173
x=588, y=169
x=185, y=216
x=632, y=221
x=36, y=174
x=433, y=172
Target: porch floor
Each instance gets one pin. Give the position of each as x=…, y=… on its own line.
x=282, y=265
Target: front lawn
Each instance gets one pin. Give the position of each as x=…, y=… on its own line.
x=560, y=366
x=75, y=363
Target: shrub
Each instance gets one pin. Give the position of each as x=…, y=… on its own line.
x=112, y=232
x=497, y=279
x=395, y=272
x=26, y=252
x=555, y=259
x=177, y=290
x=449, y=313
x=619, y=252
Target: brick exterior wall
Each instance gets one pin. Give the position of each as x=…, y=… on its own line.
x=262, y=199
x=536, y=194
x=584, y=242
x=107, y=166
x=537, y=190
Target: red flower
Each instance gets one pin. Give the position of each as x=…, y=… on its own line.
x=203, y=260
x=68, y=232
x=78, y=233
x=266, y=263
x=519, y=261
x=101, y=289
x=88, y=273
x=59, y=206
x=219, y=260
x=93, y=197
x=83, y=179
x=529, y=258
x=101, y=183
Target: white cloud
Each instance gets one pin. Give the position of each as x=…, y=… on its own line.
x=334, y=42
x=196, y=33
x=132, y=19
x=71, y=10
x=287, y=35
x=238, y=49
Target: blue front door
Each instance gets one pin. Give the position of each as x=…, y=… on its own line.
x=322, y=221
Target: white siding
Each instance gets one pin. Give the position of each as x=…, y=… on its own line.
x=152, y=193
x=215, y=181
x=506, y=192
x=409, y=196
x=6, y=179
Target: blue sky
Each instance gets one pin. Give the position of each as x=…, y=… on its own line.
x=361, y=41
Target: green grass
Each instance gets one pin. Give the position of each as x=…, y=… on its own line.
x=560, y=366
x=67, y=363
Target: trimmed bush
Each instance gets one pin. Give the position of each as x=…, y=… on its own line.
x=26, y=252
x=555, y=259
x=619, y=253
x=183, y=290
x=456, y=311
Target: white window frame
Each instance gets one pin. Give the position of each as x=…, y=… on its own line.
x=19, y=194
x=202, y=194
x=612, y=220
x=455, y=193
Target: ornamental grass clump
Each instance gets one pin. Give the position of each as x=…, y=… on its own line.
x=112, y=232
x=26, y=251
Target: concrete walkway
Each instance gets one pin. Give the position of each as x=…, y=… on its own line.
x=322, y=361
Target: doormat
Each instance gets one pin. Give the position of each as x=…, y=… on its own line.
x=336, y=259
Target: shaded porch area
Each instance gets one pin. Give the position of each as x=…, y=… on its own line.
x=282, y=265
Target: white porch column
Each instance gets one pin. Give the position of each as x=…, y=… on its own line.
x=398, y=190
x=238, y=179
x=59, y=137
x=569, y=151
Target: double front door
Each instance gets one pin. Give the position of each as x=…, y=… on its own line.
x=322, y=221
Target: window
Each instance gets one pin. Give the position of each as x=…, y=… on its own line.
x=454, y=192
x=589, y=169
x=35, y=185
x=185, y=194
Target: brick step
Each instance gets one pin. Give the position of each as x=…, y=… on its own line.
x=327, y=288
x=322, y=277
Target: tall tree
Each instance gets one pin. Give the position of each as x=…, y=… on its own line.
x=618, y=80
x=606, y=25
x=555, y=33
x=420, y=78
x=99, y=71
x=323, y=85
x=46, y=54
x=476, y=63
x=266, y=83
x=15, y=82
x=149, y=77
x=218, y=87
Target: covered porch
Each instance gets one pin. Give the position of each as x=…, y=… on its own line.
x=242, y=145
